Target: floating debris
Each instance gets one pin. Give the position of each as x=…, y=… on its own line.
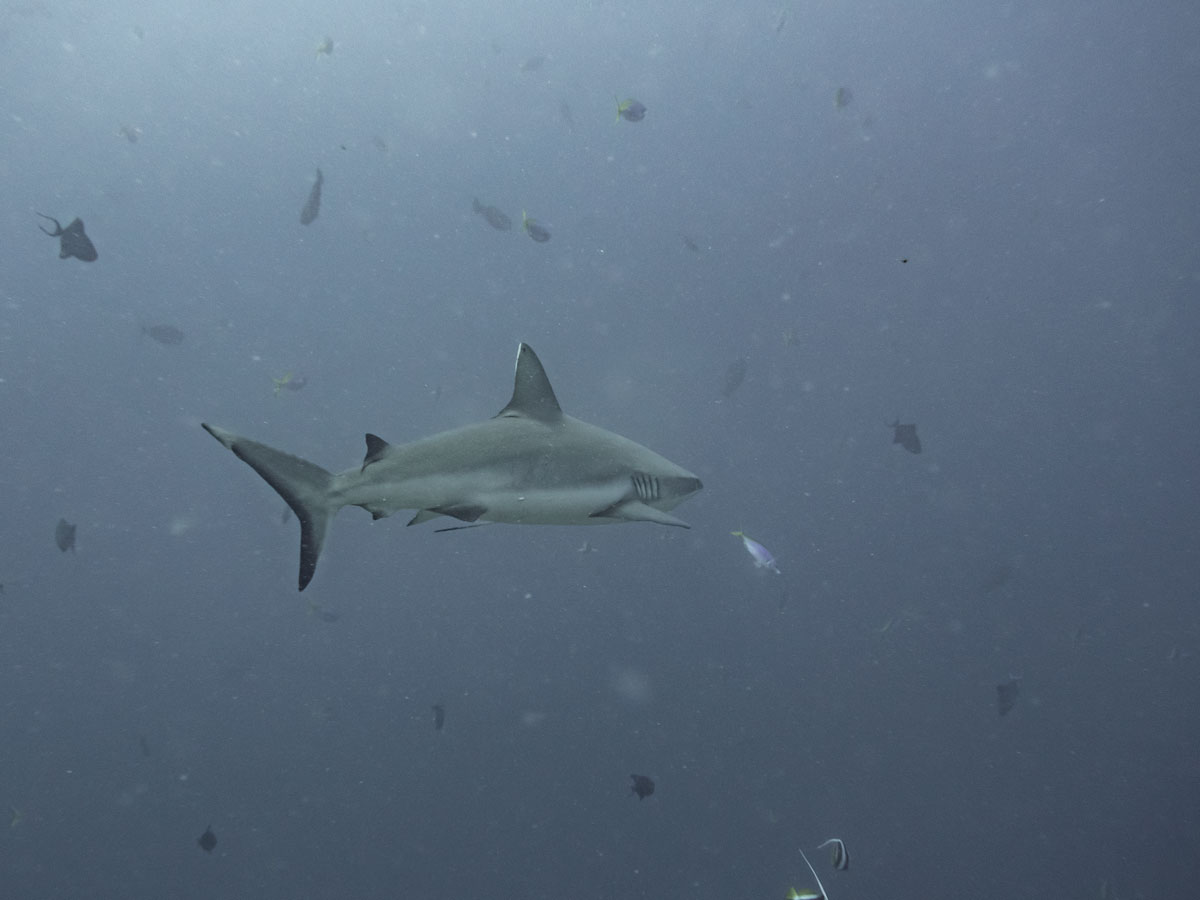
x=533, y=229
x=762, y=556
x=735, y=374
x=168, y=335
x=439, y=716
x=72, y=240
x=64, y=536
x=208, y=840
x=1006, y=695
x=840, y=856
x=630, y=110
x=312, y=208
x=643, y=786
x=491, y=215
x=906, y=436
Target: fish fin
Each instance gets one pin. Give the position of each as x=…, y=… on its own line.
x=304, y=486
x=634, y=510
x=532, y=397
x=377, y=448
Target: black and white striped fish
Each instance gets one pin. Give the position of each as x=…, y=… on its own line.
x=840, y=856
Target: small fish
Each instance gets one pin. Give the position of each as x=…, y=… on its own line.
x=842, y=97
x=144, y=744
x=532, y=64
x=72, y=240
x=326, y=47
x=167, y=335
x=312, y=207
x=379, y=143
x=643, y=786
x=809, y=893
x=533, y=229
x=439, y=716
x=289, y=381
x=1006, y=695
x=491, y=215
x=630, y=110
x=840, y=856
x=325, y=615
x=762, y=556
x=906, y=436
x=64, y=536
x=782, y=20
x=564, y=112
x=585, y=547
x=130, y=133
x=690, y=243
x=208, y=840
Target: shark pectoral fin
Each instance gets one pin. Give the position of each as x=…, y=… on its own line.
x=637, y=511
x=305, y=487
x=377, y=448
x=465, y=512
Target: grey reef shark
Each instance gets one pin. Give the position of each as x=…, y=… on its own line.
x=529, y=465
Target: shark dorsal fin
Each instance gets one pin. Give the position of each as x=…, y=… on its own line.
x=376, y=448
x=532, y=396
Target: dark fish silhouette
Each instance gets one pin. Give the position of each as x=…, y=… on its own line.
x=533, y=64
x=144, y=744
x=840, y=857
x=643, y=786
x=533, y=229
x=491, y=215
x=843, y=97
x=734, y=376
x=630, y=110
x=439, y=716
x=906, y=437
x=64, y=536
x=164, y=334
x=1006, y=695
x=208, y=840
x=690, y=244
x=71, y=240
x=564, y=112
x=312, y=208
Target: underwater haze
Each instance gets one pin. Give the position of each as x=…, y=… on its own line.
x=977, y=665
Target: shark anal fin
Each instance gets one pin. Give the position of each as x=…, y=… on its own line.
x=637, y=511
x=377, y=448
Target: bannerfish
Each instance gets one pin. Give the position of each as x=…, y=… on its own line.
x=439, y=716
x=64, y=536
x=630, y=110
x=762, y=556
x=491, y=215
x=840, y=857
x=643, y=786
x=168, y=335
x=312, y=207
x=906, y=436
x=1006, y=695
x=208, y=840
x=71, y=240
x=809, y=893
x=533, y=229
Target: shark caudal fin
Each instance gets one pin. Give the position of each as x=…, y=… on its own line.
x=305, y=488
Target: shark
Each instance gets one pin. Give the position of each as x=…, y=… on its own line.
x=531, y=464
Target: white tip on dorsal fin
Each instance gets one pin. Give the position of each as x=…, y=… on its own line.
x=532, y=395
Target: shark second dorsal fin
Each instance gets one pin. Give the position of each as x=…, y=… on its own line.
x=532, y=395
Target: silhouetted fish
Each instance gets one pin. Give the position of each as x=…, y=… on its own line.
x=144, y=744
x=64, y=536
x=439, y=716
x=164, y=334
x=906, y=437
x=208, y=840
x=72, y=240
x=630, y=110
x=843, y=97
x=643, y=786
x=533, y=229
x=735, y=374
x=1006, y=695
x=690, y=244
x=840, y=857
x=533, y=64
x=312, y=208
x=491, y=215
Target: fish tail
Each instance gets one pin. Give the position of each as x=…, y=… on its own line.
x=305, y=487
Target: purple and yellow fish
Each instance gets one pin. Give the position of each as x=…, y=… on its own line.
x=762, y=556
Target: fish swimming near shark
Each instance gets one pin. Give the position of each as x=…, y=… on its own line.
x=529, y=465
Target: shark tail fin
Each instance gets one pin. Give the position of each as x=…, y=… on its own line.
x=305, y=487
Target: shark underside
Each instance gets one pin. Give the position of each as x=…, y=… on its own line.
x=529, y=465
